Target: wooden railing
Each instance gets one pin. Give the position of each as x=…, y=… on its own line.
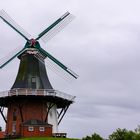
x=62, y=135
x=37, y=92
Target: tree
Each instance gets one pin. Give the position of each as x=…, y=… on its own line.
x=137, y=130
x=123, y=134
x=87, y=138
x=95, y=136
x=137, y=133
x=130, y=135
x=119, y=134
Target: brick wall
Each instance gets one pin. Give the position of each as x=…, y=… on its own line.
x=2, y=134
x=36, y=132
x=31, y=109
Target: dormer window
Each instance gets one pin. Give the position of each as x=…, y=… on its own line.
x=33, y=81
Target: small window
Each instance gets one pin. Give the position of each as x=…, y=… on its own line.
x=33, y=82
x=14, y=127
x=33, y=79
x=42, y=129
x=30, y=128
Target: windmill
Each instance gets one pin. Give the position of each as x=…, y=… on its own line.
x=34, y=108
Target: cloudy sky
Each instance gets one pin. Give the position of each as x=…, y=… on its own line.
x=102, y=45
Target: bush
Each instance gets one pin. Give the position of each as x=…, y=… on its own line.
x=123, y=134
x=95, y=136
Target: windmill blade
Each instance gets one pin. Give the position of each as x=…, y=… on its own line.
x=57, y=65
x=55, y=68
x=58, y=70
x=9, y=57
x=56, y=27
x=8, y=20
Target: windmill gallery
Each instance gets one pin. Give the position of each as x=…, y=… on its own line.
x=34, y=107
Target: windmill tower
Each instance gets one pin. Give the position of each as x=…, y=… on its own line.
x=34, y=107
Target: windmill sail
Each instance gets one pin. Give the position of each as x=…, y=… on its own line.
x=37, y=51
x=8, y=20
x=5, y=60
x=57, y=65
x=56, y=27
x=58, y=70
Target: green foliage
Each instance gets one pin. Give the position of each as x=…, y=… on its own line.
x=137, y=130
x=123, y=134
x=119, y=134
x=93, y=137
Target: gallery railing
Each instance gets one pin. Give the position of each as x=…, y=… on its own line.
x=37, y=92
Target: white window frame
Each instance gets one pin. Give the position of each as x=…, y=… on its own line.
x=33, y=79
x=30, y=128
x=41, y=128
x=14, y=127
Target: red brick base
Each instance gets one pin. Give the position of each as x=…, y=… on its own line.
x=36, y=132
x=2, y=134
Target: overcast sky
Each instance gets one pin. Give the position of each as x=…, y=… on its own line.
x=102, y=45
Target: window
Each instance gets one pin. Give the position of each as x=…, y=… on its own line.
x=41, y=129
x=14, y=115
x=30, y=128
x=14, y=127
x=33, y=81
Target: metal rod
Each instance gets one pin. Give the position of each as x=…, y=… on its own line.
x=3, y=114
x=49, y=107
x=65, y=110
x=20, y=110
x=60, y=113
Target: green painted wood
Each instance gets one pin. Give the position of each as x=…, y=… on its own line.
x=57, y=62
x=52, y=25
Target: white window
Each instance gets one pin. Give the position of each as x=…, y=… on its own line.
x=41, y=129
x=30, y=128
x=33, y=82
x=14, y=127
x=33, y=79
